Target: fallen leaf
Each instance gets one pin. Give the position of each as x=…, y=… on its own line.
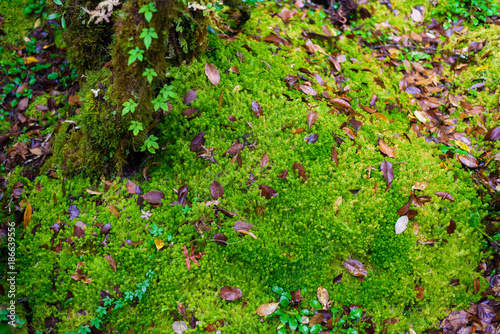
x=267, y=309
x=355, y=267
x=242, y=226
x=412, y=214
x=283, y=175
x=159, y=243
x=404, y=209
x=256, y=108
x=385, y=149
x=264, y=160
x=234, y=69
x=154, y=196
x=335, y=155
x=452, y=227
x=445, y=195
x=73, y=212
x=338, y=278
x=212, y=73
x=420, y=292
x=216, y=190
x=106, y=229
x=267, y=192
x=247, y=233
x=197, y=142
x=312, y=138
x=111, y=261
x=387, y=170
x=323, y=297
x=492, y=134
x=299, y=169
x=416, y=16
x=113, y=210
x=308, y=90
x=27, y=215
x=468, y=160
x=79, y=229
x=179, y=327
x=401, y=224
x=220, y=239
x=230, y=293
x=190, y=97
x=311, y=118
x=420, y=186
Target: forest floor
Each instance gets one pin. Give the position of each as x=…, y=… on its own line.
x=315, y=173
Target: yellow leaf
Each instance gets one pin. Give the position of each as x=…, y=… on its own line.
x=113, y=210
x=420, y=186
x=48, y=46
x=462, y=145
x=420, y=116
x=37, y=23
x=92, y=192
x=482, y=68
x=27, y=215
x=159, y=244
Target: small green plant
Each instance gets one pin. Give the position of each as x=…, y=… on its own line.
x=135, y=54
x=149, y=73
x=136, y=127
x=475, y=10
x=129, y=106
x=156, y=231
x=3, y=114
x=148, y=34
x=150, y=144
x=148, y=11
x=445, y=148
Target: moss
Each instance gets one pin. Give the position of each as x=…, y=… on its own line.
x=16, y=25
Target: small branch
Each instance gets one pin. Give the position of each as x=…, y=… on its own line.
x=397, y=46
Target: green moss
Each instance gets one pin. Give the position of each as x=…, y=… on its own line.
x=16, y=24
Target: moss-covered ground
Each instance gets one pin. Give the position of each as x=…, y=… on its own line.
x=68, y=259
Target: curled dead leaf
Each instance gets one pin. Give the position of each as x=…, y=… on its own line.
x=355, y=267
x=267, y=309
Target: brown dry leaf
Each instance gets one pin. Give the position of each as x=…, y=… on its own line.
x=79, y=229
x=351, y=134
x=234, y=69
x=299, y=130
x=113, y=210
x=335, y=155
x=385, y=149
x=308, y=90
x=368, y=109
x=221, y=98
x=197, y=142
x=387, y=170
x=477, y=286
x=311, y=118
x=468, y=161
x=216, y=190
x=267, y=309
x=111, y=261
x=404, y=209
x=267, y=192
x=323, y=297
x=286, y=14
x=420, y=292
x=264, y=160
x=283, y=175
x=445, y=195
x=190, y=97
x=420, y=186
x=242, y=226
x=452, y=227
x=27, y=215
x=299, y=169
x=212, y=73
x=131, y=187
x=230, y=293
x=154, y=196
x=355, y=267
x=257, y=109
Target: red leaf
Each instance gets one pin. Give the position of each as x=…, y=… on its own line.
x=386, y=168
x=197, y=142
x=154, y=197
x=190, y=97
x=445, y=195
x=299, y=169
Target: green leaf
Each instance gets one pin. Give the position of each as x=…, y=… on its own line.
x=284, y=318
x=63, y=22
x=305, y=312
x=148, y=16
x=303, y=329
x=282, y=330
x=278, y=290
x=352, y=331
x=53, y=16
x=315, y=304
x=356, y=313
x=293, y=324
x=284, y=301
x=58, y=2
x=316, y=329
x=287, y=295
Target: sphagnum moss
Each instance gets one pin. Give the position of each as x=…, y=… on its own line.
x=302, y=237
